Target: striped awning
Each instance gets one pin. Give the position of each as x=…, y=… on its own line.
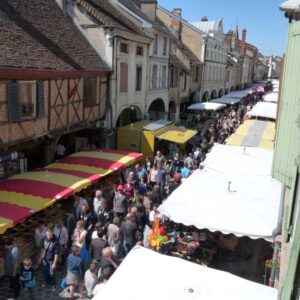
x=254, y=133
x=25, y=194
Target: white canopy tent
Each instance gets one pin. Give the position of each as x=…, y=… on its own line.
x=240, y=160
x=207, y=106
x=264, y=110
x=271, y=97
x=226, y=101
x=239, y=94
x=145, y=275
x=236, y=195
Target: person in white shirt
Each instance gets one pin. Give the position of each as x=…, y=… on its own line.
x=97, y=201
x=156, y=214
x=40, y=233
x=90, y=279
x=105, y=275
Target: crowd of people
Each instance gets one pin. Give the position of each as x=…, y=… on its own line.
x=93, y=240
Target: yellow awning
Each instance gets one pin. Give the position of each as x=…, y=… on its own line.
x=254, y=133
x=177, y=135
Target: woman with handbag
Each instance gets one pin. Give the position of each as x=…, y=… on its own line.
x=75, y=269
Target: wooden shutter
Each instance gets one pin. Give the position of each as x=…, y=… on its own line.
x=40, y=99
x=13, y=102
x=124, y=78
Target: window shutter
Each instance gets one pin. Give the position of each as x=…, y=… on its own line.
x=40, y=99
x=13, y=102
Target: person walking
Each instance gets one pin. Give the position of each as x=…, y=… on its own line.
x=129, y=233
x=75, y=271
x=120, y=203
x=49, y=257
x=62, y=235
x=12, y=263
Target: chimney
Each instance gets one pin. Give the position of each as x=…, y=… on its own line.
x=176, y=24
x=243, y=44
x=204, y=19
x=148, y=7
x=177, y=12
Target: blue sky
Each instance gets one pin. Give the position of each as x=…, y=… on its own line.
x=265, y=24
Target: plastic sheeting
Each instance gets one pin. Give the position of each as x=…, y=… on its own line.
x=271, y=97
x=227, y=101
x=206, y=106
x=232, y=194
x=147, y=275
x=264, y=110
x=239, y=94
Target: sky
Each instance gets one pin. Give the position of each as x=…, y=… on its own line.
x=265, y=23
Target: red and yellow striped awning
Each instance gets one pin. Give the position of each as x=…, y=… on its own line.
x=25, y=194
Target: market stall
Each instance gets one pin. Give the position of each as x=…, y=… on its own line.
x=165, y=277
x=271, y=97
x=239, y=94
x=226, y=198
x=144, y=136
x=206, y=106
x=227, y=100
x=23, y=196
x=265, y=110
x=254, y=133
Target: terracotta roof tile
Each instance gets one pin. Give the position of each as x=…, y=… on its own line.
x=36, y=35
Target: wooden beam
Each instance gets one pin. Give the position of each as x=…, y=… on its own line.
x=28, y=74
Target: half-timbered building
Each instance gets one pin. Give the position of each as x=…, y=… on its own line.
x=53, y=85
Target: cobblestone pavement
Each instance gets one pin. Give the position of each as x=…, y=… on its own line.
x=40, y=293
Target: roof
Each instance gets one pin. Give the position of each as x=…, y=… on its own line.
x=39, y=37
x=191, y=56
x=107, y=14
x=24, y=194
x=159, y=276
x=223, y=196
x=207, y=26
x=157, y=24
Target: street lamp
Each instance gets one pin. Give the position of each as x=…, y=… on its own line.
x=291, y=9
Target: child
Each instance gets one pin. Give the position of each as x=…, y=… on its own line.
x=27, y=276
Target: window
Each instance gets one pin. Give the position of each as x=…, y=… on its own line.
x=165, y=46
x=156, y=44
x=89, y=92
x=139, y=50
x=139, y=74
x=123, y=48
x=164, y=77
x=123, y=78
x=25, y=99
x=154, y=76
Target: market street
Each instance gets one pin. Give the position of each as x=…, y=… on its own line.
x=149, y=148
